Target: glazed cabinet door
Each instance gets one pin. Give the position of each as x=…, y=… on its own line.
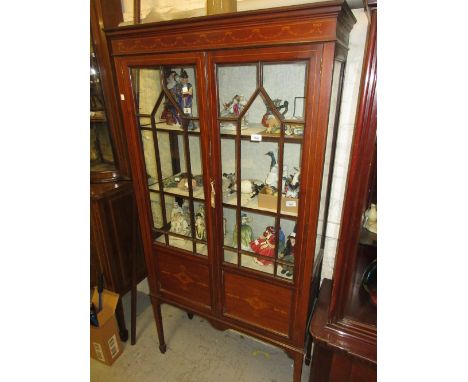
x=261, y=124
x=166, y=126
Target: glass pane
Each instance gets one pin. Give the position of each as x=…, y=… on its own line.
x=178, y=210
x=255, y=262
x=286, y=249
x=168, y=105
x=327, y=176
x=101, y=154
x=260, y=177
x=229, y=221
x=150, y=157
x=291, y=178
x=196, y=166
x=200, y=228
x=228, y=163
x=156, y=209
x=258, y=235
x=289, y=99
x=171, y=151
x=185, y=244
x=236, y=85
x=147, y=89
x=230, y=257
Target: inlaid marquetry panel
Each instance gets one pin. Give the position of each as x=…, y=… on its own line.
x=186, y=279
x=189, y=39
x=257, y=302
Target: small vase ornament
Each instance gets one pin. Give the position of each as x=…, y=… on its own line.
x=371, y=219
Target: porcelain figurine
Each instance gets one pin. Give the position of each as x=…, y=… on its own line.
x=291, y=186
x=288, y=255
x=370, y=222
x=270, y=120
x=179, y=223
x=272, y=177
x=172, y=79
x=246, y=233
x=264, y=246
x=185, y=96
x=200, y=228
x=229, y=183
x=234, y=108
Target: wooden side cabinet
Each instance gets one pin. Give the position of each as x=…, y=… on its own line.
x=344, y=324
x=114, y=240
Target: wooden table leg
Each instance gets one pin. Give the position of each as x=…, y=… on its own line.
x=133, y=294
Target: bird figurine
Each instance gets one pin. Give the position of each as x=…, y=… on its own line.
x=272, y=177
x=291, y=186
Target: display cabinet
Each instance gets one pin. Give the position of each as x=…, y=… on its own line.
x=344, y=325
x=231, y=126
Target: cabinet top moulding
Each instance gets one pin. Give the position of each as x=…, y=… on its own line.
x=308, y=23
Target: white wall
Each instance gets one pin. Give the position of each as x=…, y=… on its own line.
x=345, y=136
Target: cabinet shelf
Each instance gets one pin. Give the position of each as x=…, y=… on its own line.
x=177, y=129
x=258, y=128
x=251, y=204
x=198, y=192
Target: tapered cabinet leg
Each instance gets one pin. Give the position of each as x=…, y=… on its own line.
x=298, y=359
x=308, y=350
x=133, y=313
x=119, y=313
x=190, y=315
x=159, y=326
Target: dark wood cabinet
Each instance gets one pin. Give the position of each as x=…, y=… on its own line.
x=344, y=324
x=114, y=240
x=115, y=251
x=231, y=124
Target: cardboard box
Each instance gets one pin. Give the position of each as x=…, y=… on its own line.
x=289, y=205
x=105, y=341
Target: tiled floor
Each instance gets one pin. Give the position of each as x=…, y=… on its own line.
x=195, y=352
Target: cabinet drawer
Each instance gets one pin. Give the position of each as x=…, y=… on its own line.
x=188, y=280
x=257, y=303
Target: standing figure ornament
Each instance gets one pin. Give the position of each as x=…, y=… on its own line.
x=185, y=96
x=182, y=92
x=200, y=228
x=264, y=246
x=179, y=222
x=288, y=255
x=246, y=233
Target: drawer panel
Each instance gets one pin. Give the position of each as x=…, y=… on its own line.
x=257, y=302
x=184, y=278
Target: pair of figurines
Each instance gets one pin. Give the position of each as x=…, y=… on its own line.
x=182, y=92
x=180, y=220
x=234, y=108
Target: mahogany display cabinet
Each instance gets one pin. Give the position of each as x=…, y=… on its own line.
x=231, y=124
x=344, y=324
